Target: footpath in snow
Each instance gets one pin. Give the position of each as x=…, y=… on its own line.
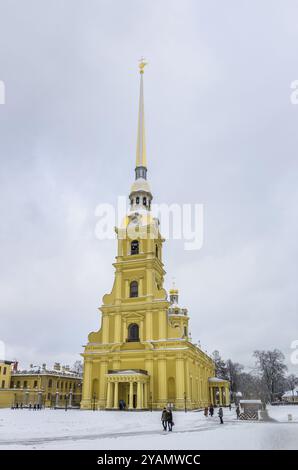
x=75, y=429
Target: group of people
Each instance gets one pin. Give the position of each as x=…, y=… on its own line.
x=211, y=412
x=19, y=406
x=167, y=419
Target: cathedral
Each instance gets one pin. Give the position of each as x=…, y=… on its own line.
x=142, y=357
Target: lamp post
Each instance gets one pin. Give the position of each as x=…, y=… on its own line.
x=151, y=404
x=185, y=408
x=93, y=404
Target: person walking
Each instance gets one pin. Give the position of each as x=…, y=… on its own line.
x=164, y=418
x=230, y=407
x=220, y=414
x=238, y=412
x=170, y=419
x=211, y=410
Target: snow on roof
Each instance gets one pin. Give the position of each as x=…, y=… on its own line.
x=251, y=401
x=291, y=393
x=217, y=379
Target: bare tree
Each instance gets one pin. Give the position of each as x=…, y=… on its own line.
x=78, y=367
x=272, y=369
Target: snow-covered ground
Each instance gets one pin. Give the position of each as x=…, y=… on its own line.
x=75, y=429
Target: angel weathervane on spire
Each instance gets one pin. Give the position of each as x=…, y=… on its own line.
x=142, y=64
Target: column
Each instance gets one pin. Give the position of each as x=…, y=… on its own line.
x=141, y=293
x=105, y=328
x=148, y=320
x=162, y=324
x=126, y=288
x=180, y=383
x=117, y=331
x=149, y=283
x=162, y=381
x=149, y=366
x=220, y=395
x=212, y=391
x=116, y=401
x=130, y=406
x=142, y=331
x=145, y=395
x=86, y=393
x=57, y=399
x=139, y=397
x=118, y=286
x=109, y=395
x=187, y=380
x=103, y=368
x=227, y=396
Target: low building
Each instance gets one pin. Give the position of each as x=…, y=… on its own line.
x=5, y=373
x=5, y=379
x=58, y=387
x=290, y=396
x=249, y=409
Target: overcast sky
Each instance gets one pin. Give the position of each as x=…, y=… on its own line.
x=221, y=131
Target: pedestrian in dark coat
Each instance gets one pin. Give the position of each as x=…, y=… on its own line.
x=238, y=411
x=230, y=406
x=170, y=419
x=211, y=410
x=164, y=419
x=220, y=414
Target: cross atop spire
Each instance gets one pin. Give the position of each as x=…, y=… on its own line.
x=141, y=161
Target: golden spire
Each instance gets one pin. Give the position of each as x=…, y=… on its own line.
x=141, y=142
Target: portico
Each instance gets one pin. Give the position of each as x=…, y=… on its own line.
x=219, y=391
x=128, y=386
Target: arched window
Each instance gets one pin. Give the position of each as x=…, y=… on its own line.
x=134, y=247
x=137, y=200
x=133, y=332
x=144, y=201
x=134, y=291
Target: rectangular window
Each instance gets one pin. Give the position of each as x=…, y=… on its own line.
x=4, y=371
x=3, y=383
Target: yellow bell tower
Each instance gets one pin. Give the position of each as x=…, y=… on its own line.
x=142, y=356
